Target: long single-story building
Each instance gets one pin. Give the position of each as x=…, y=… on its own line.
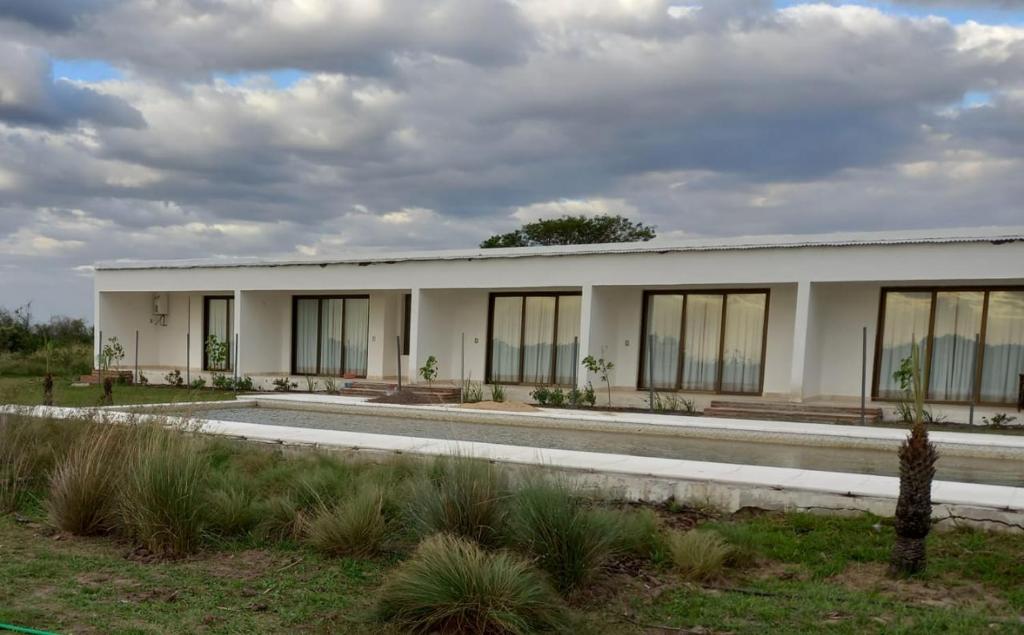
x=759, y=318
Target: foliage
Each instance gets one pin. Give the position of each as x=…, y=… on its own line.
x=284, y=384
x=638, y=533
x=355, y=527
x=217, y=351
x=586, y=397
x=197, y=384
x=18, y=333
x=16, y=468
x=231, y=509
x=83, y=486
x=237, y=384
x=460, y=496
x=574, y=230
x=472, y=392
x=698, y=554
x=67, y=360
x=917, y=470
x=428, y=371
x=541, y=394
x=673, y=403
x=451, y=585
x=602, y=368
x=162, y=497
x=556, y=397
x=570, y=542
x=497, y=393
x=311, y=383
x=174, y=378
x=999, y=419
x=331, y=385
x=111, y=354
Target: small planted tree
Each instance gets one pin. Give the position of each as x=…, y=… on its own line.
x=917, y=469
x=112, y=354
x=216, y=352
x=603, y=369
x=428, y=371
x=48, y=390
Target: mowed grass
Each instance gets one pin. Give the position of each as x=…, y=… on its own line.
x=28, y=391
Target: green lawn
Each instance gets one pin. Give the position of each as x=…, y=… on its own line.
x=28, y=391
x=807, y=574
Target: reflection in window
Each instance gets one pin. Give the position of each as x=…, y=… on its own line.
x=744, y=339
x=664, y=317
x=1004, y=347
x=954, y=344
x=906, y=319
x=534, y=338
x=700, y=341
x=330, y=336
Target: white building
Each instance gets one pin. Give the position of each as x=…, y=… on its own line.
x=778, y=317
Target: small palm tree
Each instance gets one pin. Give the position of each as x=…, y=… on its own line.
x=917, y=469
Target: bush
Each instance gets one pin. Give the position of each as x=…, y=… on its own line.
x=461, y=496
x=638, y=533
x=280, y=519
x=541, y=394
x=68, y=360
x=497, y=393
x=15, y=465
x=83, y=486
x=450, y=585
x=231, y=509
x=472, y=392
x=355, y=527
x=570, y=542
x=699, y=554
x=162, y=495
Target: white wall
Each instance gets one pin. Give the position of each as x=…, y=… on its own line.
x=444, y=315
x=265, y=324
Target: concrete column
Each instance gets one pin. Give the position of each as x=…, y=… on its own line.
x=239, y=340
x=97, y=321
x=801, y=331
x=586, y=323
x=414, y=336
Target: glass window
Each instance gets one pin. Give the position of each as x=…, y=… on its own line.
x=567, y=339
x=1003, y=357
x=906, y=320
x=357, y=335
x=218, y=327
x=306, y=336
x=406, y=323
x=506, y=331
x=533, y=338
x=955, y=335
x=691, y=349
x=330, y=336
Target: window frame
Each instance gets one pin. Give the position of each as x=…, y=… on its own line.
x=229, y=367
x=725, y=293
x=406, y=322
x=319, y=332
x=927, y=369
x=522, y=330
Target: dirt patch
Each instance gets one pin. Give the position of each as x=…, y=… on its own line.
x=410, y=397
x=242, y=565
x=871, y=576
x=500, y=406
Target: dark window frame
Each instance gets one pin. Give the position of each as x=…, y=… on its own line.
x=640, y=379
x=927, y=365
x=319, y=332
x=206, y=332
x=522, y=327
x=406, y=322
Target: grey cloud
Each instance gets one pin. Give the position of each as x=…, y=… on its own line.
x=49, y=15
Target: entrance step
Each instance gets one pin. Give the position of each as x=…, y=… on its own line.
x=788, y=411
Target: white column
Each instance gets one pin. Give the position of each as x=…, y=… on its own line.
x=97, y=316
x=586, y=320
x=414, y=337
x=801, y=323
x=237, y=343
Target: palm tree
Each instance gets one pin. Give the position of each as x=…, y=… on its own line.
x=917, y=469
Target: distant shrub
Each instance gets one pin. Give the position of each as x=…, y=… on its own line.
x=699, y=554
x=284, y=384
x=451, y=585
x=460, y=496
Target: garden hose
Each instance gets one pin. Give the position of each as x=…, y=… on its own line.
x=23, y=629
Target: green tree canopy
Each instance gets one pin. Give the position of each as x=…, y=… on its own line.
x=573, y=230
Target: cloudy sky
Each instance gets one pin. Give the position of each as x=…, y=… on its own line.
x=185, y=128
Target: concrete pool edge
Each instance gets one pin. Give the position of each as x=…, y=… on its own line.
x=965, y=444
x=726, y=486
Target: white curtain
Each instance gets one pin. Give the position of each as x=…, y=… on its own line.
x=954, y=344
x=357, y=335
x=538, y=346
x=305, y=335
x=661, y=344
x=905, y=320
x=1004, y=347
x=568, y=335
x=218, y=324
x=702, y=335
x=744, y=338
x=332, y=311
x=506, y=330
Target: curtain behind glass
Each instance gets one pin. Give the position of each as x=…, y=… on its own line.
x=957, y=322
x=305, y=336
x=664, y=323
x=538, y=346
x=331, y=314
x=905, y=320
x=505, y=334
x=702, y=337
x=218, y=324
x=1004, y=347
x=568, y=334
x=744, y=338
x=357, y=335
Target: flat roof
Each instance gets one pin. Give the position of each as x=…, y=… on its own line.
x=995, y=235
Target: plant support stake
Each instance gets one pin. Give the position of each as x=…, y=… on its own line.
x=575, y=361
x=650, y=371
x=99, y=359
x=136, y=379
x=974, y=379
x=863, y=373
x=462, y=369
x=398, y=352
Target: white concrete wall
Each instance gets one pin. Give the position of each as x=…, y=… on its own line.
x=443, y=317
x=265, y=321
x=834, y=365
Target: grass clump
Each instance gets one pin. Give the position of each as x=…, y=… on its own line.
x=639, y=533
x=83, y=485
x=354, y=527
x=699, y=554
x=163, y=495
x=231, y=510
x=451, y=585
x=460, y=496
x=569, y=541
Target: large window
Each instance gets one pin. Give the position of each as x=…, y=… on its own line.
x=533, y=338
x=704, y=341
x=330, y=335
x=971, y=342
x=218, y=330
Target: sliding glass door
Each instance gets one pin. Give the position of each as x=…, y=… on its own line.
x=218, y=332
x=704, y=341
x=971, y=342
x=533, y=338
x=330, y=335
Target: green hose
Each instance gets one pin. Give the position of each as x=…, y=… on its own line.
x=23, y=629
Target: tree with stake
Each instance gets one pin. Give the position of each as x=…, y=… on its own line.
x=602, y=368
x=917, y=469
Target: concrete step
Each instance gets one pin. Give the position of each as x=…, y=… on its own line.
x=791, y=412
x=787, y=406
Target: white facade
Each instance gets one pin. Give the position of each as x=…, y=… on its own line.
x=822, y=291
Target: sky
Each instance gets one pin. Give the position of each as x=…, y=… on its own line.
x=206, y=128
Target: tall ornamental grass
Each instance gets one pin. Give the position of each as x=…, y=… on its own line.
x=83, y=486
x=461, y=496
